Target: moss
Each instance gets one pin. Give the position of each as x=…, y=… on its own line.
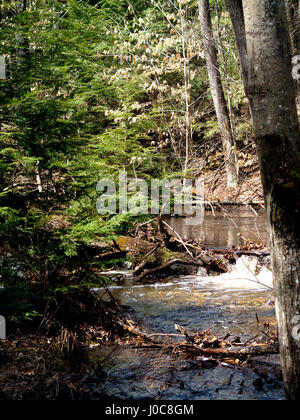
x=164, y=255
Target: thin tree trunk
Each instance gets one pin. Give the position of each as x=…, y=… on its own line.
x=272, y=97
x=22, y=43
x=293, y=19
x=297, y=30
x=218, y=93
x=227, y=88
x=38, y=177
x=296, y=43
x=235, y=9
x=188, y=137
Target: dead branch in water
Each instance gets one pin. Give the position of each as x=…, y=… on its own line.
x=166, y=265
x=255, y=350
x=206, y=343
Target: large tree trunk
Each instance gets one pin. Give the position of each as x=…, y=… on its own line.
x=218, y=93
x=272, y=97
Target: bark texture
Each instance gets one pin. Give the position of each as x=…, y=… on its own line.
x=272, y=97
x=217, y=92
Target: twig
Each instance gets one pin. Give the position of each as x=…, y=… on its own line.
x=180, y=239
x=165, y=335
x=144, y=224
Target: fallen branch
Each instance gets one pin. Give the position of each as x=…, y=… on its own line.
x=241, y=349
x=240, y=252
x=252, y=350
x=166, y=265
x=139, y=268
x=234, y=203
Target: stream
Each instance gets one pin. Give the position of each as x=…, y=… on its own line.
x=229, y=303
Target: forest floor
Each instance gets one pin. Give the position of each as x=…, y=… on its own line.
x=249, y=190
x=55, y=366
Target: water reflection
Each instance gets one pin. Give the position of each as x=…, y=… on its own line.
x=220, y=229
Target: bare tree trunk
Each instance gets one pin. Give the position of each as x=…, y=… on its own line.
x=218, y=93
x=235, y=9
x=227, y=88
x=38, y=177
x=22, y=44
x=272, y=97
x=293, y=19
x=294, y=15
x=187, y=94
x=297, y=29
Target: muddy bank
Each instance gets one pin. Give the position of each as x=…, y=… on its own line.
x=248, y=192
x=54, y=365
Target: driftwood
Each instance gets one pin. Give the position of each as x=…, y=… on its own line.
x=205, y=343
x=254, y=350
x=203, y=259
x=259, y=204
x=166, y=265
x=139, y=268
x=251, y=350
x=240, y=252
x=257, y=349
x=193, y=344
x=211, y=262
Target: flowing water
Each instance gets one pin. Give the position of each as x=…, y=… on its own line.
x=230, y=303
